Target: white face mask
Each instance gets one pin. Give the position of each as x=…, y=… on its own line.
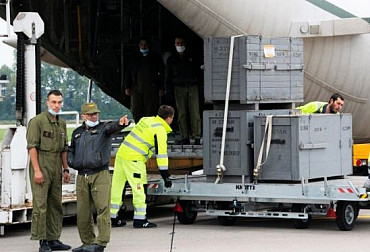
x=53, y=113
x=91, y=123
x=144, y=52
x=180, y=49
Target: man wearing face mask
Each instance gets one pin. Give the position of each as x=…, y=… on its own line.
x=182, y=78
x=144, y=81
x=89, y=153
x=47, y=146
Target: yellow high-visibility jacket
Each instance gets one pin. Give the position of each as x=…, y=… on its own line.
x=147, y=138
x=313, y=107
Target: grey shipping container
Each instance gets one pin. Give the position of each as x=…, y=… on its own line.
x=305, y=146
x=265, y=70
x=238, y=158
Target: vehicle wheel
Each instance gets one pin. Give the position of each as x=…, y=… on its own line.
x=347, y=213
x=226, y=220
x=300, y=223
x=188, y=216
x=357, y=213
x=364, y=171
x=360, y=170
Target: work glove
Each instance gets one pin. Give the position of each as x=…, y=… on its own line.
x=166, y=177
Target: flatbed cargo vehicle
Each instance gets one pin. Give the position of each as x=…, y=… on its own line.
x=341, y=198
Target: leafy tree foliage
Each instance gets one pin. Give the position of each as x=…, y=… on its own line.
x=73, y=86
x=7, y=105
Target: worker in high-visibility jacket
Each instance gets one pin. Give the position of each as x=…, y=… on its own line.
x=334, y=105
x=147, y=138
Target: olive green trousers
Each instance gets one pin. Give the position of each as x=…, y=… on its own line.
x=93, y=193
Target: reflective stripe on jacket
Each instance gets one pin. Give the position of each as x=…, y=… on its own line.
x=140, y=144
x=313, y=107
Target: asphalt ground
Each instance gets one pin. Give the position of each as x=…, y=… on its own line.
x=206, y=234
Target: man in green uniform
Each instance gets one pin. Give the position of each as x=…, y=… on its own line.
x=47, y=146
x=89, y=153
x=182, y=78
x=147, y=138
x=334, y=105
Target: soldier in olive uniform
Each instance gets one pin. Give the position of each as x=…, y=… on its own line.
x=47, y=146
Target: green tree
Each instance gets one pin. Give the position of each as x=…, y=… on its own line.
x=74, y=88
x=7, y=105
x=71, y=84
x=110, y=108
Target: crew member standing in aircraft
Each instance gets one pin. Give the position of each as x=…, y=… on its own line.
x=334, y=106
x=182, y=77
x=144, y=81
x=47, y=146
x=147, y=138
x=89, y=153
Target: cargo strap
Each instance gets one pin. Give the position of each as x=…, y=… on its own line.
x=266, y=138
x=220, y=168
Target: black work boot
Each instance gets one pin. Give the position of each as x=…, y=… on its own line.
x=93, y=248
x=58, y=245
x=143, y=224
x=184, y=141
x=116, y=222
x=79, y=249
x=44, y=246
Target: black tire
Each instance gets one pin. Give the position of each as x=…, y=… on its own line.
x=360, y=170
x=301, y=223
x=188, y=216
x=357, y=212
x=226, y=220
x=347, y=213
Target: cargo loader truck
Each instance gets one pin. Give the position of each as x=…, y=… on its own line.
x=262, y=162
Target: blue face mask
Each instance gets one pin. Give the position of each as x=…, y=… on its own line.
x=144, y=52
x=91, y=123
x=53, y=113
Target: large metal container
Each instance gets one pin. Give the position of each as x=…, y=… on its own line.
x=305, y=146
x=264, y=70
x=238, y=154
x=336, y=50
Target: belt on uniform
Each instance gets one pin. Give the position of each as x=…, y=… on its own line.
x=56, y=152
x=92, y=171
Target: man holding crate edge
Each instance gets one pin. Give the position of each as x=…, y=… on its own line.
x=334, y=106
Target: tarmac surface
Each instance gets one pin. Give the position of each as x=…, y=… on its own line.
x=206, y=234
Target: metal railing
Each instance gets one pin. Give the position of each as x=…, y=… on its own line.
x=72, y=113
